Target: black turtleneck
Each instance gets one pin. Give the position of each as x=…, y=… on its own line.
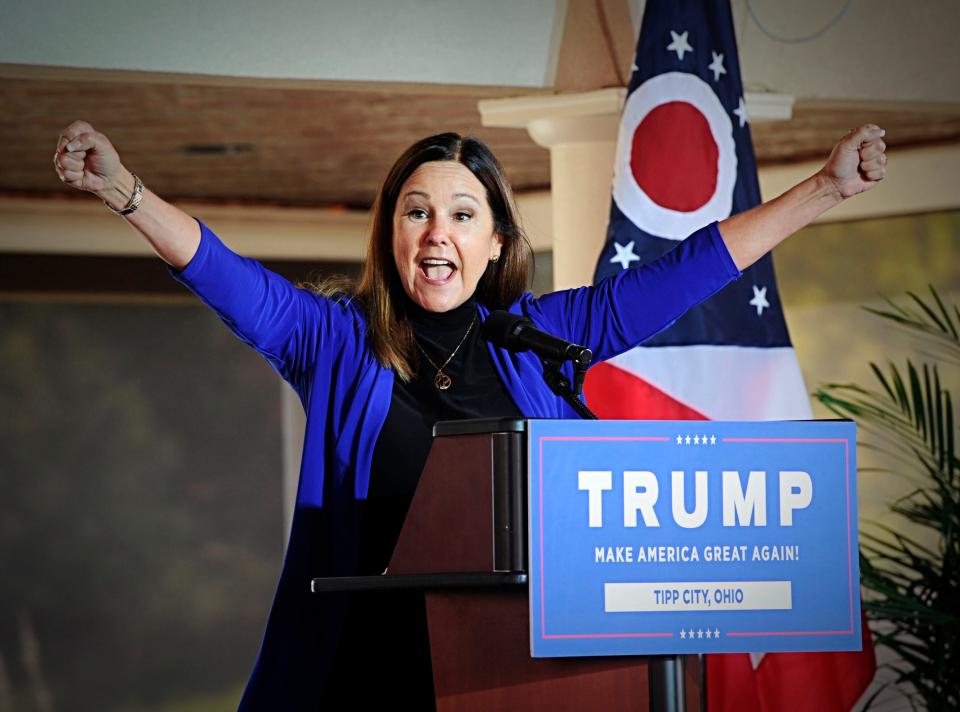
x=388, y=631
x=476, y=392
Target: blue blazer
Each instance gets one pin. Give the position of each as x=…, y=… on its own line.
x=319, y=346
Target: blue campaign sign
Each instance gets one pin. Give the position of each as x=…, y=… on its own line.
x=664, y=537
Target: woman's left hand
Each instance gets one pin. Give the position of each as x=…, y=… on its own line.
x=858, y=162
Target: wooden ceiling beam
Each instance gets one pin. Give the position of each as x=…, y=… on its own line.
x=121, y=76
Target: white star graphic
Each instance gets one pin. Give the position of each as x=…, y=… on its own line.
x=688, y=440
x=703, y=439
x=716, y=632
x=741, y=113
x=699, y=633
x=679, y=440
x=625, y=254
x=683, y=634
x=696, y=439
x=717, y=66
x=713, y=439
x=708, y=634
x=759, y=299
x=679, y=44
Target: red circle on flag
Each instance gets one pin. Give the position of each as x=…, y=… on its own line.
x=673, y=157
x=695, y=115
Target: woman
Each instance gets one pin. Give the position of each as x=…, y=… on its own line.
x=375, y=367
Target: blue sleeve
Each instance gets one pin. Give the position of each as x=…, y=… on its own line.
x=289, y=326
x=624, y=310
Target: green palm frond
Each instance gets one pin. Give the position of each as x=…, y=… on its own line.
x=912, y=588
x=935, y=323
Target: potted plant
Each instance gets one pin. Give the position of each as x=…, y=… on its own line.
x=910, y=564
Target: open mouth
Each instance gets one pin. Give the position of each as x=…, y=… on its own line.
x=437, y=270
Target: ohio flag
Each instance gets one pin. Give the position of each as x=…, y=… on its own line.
x=684, y=159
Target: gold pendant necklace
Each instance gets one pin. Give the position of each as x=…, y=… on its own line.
x=442, y=381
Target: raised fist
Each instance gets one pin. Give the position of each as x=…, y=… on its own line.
x=85, y=159
x=858, y=162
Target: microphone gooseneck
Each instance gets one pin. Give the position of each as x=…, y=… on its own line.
x=517, y=333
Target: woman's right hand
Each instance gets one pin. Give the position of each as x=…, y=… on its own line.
x=85, y=159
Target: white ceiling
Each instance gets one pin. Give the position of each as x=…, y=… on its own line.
x=493, y=42
x=880, y=50
x=871, y=50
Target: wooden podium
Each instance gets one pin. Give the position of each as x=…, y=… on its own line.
x=464, y=543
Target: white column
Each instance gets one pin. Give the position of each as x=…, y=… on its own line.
x=581, y=132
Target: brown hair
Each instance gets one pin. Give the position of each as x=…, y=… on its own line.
x=380, y=290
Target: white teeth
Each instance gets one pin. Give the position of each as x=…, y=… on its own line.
x=437, y=268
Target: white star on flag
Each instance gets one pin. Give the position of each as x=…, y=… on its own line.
x=717, y=66
x=683, y=634
x=625, y=254
x=759, y=299
x=679, y=44
x=741, y=113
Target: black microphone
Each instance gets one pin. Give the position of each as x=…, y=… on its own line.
x=517, y=333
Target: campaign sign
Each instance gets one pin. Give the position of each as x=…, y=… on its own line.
x=664, y=537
